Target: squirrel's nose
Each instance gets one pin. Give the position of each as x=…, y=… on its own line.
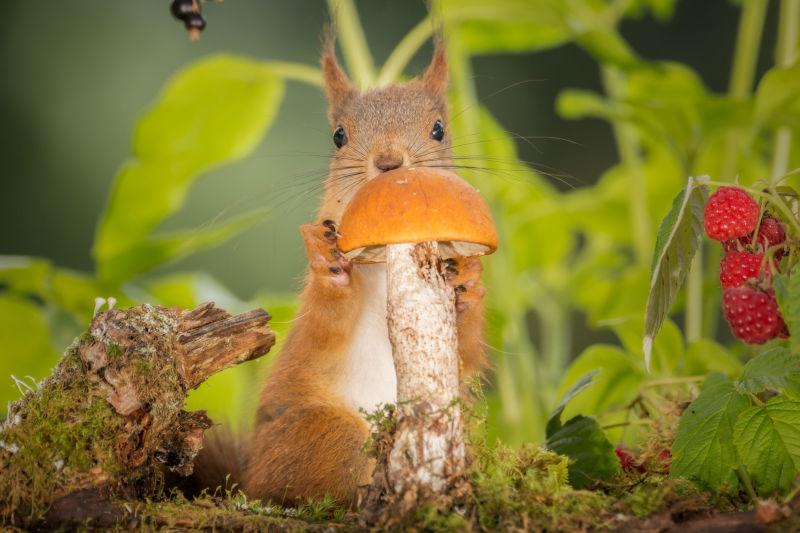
x=387, y=162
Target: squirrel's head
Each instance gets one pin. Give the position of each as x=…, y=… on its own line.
x=381, y=129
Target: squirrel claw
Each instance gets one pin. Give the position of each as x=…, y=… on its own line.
x=326, y=260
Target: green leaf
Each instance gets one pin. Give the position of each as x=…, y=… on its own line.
x=704, y=356
x=677, y=241
x=703, y=450
x=615, y=385
x=768, y=441
x=213, y=112
x=776, y=370
x=592, y=455
x=26, y=275
x=575, y=104
x=778, y=95
x=668, y=348
x=165, y=248
x=505, y=25
x=25, y=346
x=787, y=291
x=554, y=424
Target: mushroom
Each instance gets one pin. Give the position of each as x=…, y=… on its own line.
x=412, y=218
x=414, y=205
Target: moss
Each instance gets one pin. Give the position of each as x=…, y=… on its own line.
x=56, y=431
x=114, y=352
x=237, y=513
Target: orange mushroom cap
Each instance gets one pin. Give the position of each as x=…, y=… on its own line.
x=412, y=205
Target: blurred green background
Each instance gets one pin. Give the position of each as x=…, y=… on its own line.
x=77, y=76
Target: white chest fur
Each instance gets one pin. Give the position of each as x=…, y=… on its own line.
x=369, y=378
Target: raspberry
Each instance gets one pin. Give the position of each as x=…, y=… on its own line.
x=737, y=267
x=770, y=233
x=730, y=213
x=627, y=461
x=753, y=314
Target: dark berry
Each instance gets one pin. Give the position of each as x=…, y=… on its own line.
x=194, y=21
x=181, y=9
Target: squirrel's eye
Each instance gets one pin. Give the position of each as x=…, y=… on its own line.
x=437, y=133
x=339, y=138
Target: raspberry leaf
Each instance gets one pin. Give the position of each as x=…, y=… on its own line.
x=592, y=455
x=703, y=450
x=777, y=370
x=787, y=291
x=767, y=438
x=677, y=242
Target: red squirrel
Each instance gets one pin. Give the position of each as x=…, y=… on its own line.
x=336, y=364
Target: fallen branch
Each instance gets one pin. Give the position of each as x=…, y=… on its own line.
x=109, y=421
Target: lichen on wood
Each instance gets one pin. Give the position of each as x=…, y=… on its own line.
x=109, y=421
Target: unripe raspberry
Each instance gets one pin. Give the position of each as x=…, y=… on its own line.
x=730, y=213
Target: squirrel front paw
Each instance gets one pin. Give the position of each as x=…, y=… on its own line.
x=325, y=258
x=464, y=275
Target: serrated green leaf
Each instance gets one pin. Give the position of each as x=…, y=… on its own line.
x=703, y=450
x=677, y=241
x=767, y=438
x=213, y=112
x=165, y=248
x=554, y=424
x=776, y=370
x=787, y=292
x=592, y=455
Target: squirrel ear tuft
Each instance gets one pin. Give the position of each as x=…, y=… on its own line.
x=435, y=77
x=338, y=87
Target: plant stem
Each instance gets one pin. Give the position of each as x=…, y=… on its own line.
x=741, y=471
x=693, y=324
x=788, y=22
x=641, y=422
x=673, y=381
x=354, y=42
x=404, y=51
x=297, y=72
x=631, y=158
x=748, y=41
x=523, y=379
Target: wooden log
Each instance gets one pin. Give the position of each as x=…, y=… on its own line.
x=109, y=421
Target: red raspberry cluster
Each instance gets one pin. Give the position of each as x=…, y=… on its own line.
x=748, y=303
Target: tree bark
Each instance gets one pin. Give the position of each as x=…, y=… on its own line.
x=424, y=458
x=109, y=420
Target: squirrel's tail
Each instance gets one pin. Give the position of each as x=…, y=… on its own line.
x=219, y=466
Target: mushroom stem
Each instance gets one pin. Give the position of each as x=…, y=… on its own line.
x=428, y=454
